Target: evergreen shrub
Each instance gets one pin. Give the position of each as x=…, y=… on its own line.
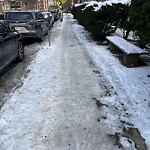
x=140, y=18
x=103, y=22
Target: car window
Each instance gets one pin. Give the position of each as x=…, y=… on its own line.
x=36, y=16
x=53, y=8
x=18, y=16
x=46, y=15
x=39, y=15
x=2, y=29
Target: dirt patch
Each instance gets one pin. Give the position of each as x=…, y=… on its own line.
x=71, y=45
x=98, y=119
x=26, y=73
x=135, y=136
x=96, y=71
x=18, y=86
x=99, y=104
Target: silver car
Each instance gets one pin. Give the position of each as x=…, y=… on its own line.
x=30, y=23
x=49, y=18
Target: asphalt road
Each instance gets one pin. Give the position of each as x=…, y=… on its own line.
x=10, y=79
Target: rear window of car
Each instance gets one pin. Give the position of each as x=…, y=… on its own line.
x=18, y=16
x=53, y=9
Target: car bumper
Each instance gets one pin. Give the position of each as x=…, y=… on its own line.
x=32, y=34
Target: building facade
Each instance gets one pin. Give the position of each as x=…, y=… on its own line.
x=6, y=5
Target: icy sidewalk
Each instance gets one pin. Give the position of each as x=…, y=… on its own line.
x=74, y=100
x=56, y=107
x=131, y=97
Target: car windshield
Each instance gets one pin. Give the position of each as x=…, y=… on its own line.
x=18, y=16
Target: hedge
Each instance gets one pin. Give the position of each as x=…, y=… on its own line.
x=103, y=22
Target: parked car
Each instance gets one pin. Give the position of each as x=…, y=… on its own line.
x=49, y=18
x=11, y=46
x=30, y=23
x=1, y=17
x=55, y=12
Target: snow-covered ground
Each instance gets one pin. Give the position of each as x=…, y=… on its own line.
x=127, y=98
x=131, y=84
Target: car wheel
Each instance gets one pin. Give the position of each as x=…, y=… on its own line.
x=20, y=51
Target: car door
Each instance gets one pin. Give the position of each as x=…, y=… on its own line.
x=41, y=22
x=44, y=23
x=8, y=44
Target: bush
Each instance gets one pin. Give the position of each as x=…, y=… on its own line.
x=140, y=17
x=103, y=22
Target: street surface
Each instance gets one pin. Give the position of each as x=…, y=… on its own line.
x=58, y=98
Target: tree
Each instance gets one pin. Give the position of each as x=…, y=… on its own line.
x=140, y=18
x=29, y=4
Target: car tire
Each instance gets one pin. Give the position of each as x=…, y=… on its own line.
x=20, y=51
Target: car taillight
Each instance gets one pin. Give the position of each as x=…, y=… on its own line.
x=31, y=23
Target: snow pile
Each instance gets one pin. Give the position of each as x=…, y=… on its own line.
x=97, y=5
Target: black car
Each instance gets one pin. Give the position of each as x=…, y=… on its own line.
x=30, y=23
x=55, y=12
x=11, y=46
